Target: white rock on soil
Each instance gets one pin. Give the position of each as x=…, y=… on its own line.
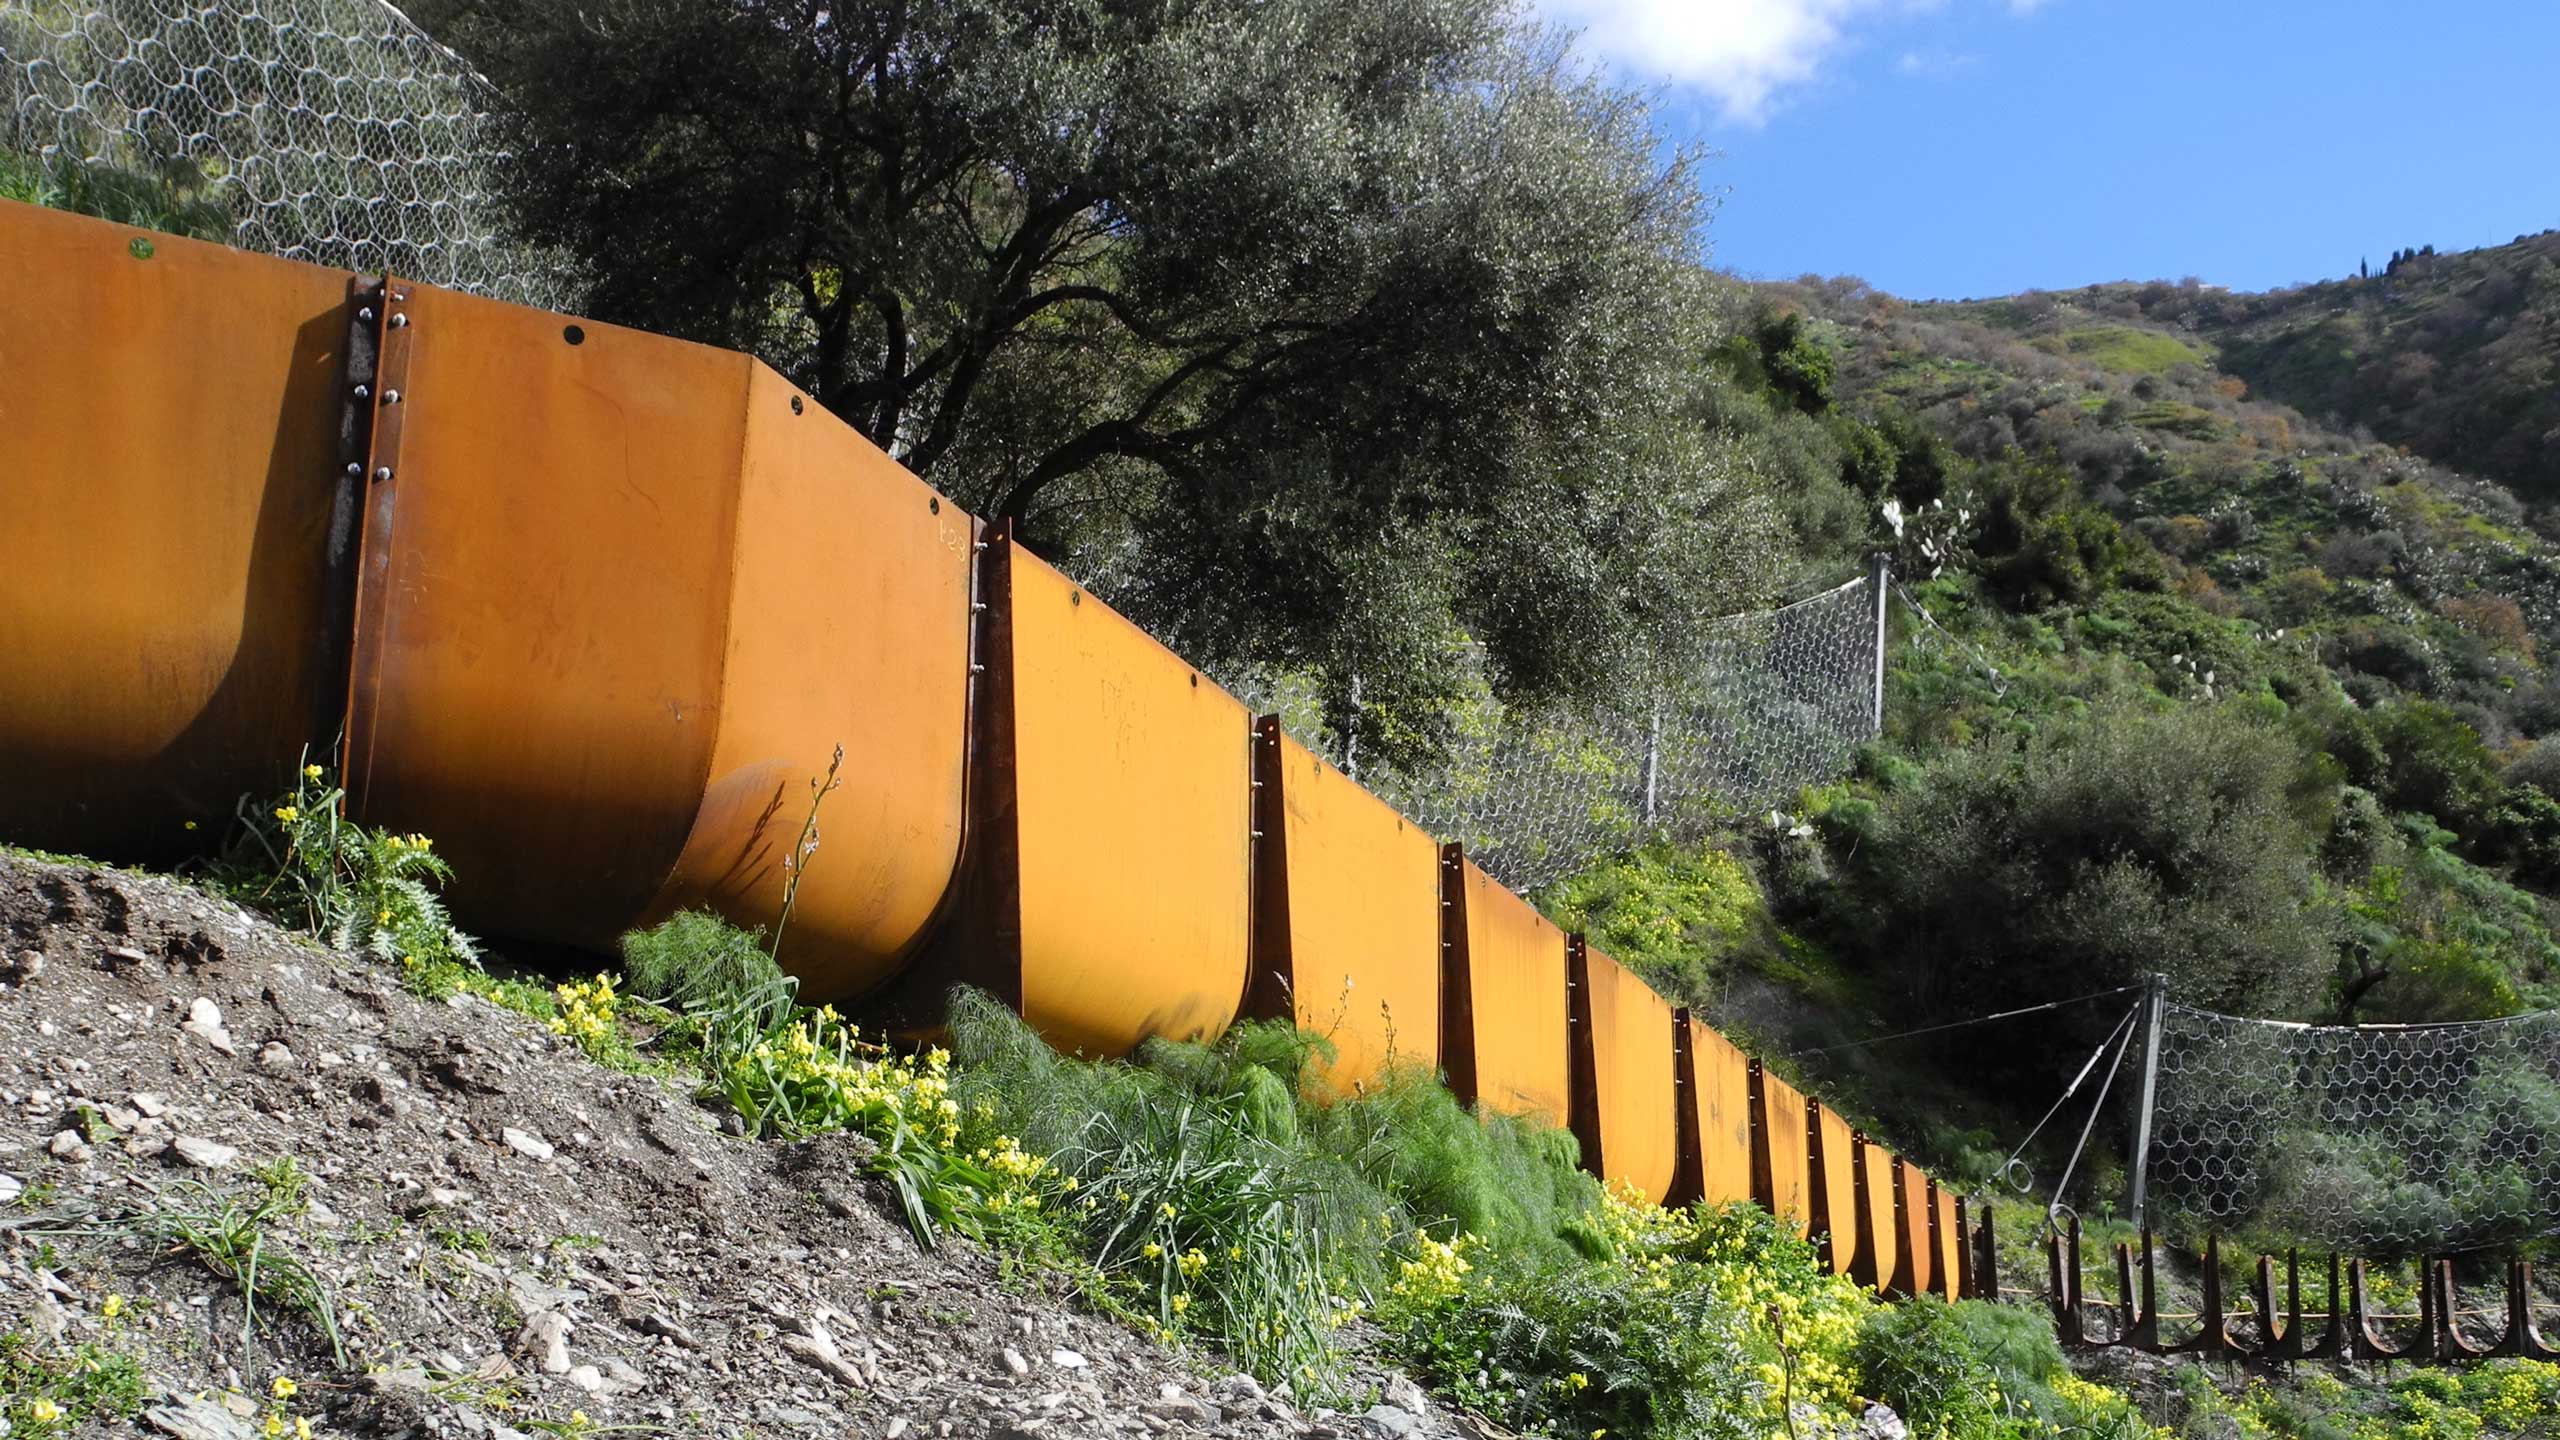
x=204, y=1021
x=545, y=1337
x=67, y=1145
x=204, y=1154
x=11, y=1187
x=1066, y=1359
x=526, y=1143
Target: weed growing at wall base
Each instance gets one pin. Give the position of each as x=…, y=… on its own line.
x=303, y=861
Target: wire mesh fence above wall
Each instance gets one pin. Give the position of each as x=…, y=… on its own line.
x=1747, y=712
x=333, y=131
x=2379, y=1139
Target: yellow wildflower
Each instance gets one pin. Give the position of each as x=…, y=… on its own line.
x=275, y=1424
x=310, y=772
x=301, y=1429
x=43, y=1411
x=288, y=814
x=1181, y=1303
x=113, y=1308
x=1152, y=1250
x=284, y=1387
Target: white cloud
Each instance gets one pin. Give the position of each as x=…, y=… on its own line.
x=1743, y=54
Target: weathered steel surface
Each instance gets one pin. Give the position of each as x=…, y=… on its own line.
x=1840, y=1189
x=1919, y=1254
x=1346, y=915
x=621, y=598
x=1132, y=781
x=542, y=617
x=1946, y=1236
x=1503, y=1030
x=1881, y=1233
x=1625, y=1089
x=1781, y=1182
x=1722, y=1101
x=171, y=411
x=848, y=625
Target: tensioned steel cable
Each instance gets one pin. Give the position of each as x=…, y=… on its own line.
x=1977, y=1020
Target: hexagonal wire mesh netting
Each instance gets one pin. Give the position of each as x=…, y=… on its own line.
x=333, y=131
x=1751, y=709
x=2379, y=1139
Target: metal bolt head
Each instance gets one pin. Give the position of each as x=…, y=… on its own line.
x=399, y=322
x=354, y=468
x=363, y=390
x=365, y=314
x=390, y=397
x=383, y=473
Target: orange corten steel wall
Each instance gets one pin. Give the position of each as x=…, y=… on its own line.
x=589, y=624
x=1912, y=1208
x=1505, y=1003
x=1881, y=1235
x=169, y=412
x=584, y=621
x=1722, y=1100
x=888, y=610
x=1133, y=781
x=1950, y=1233
x=1840, y=1161
x=1347, y=915
x=1633, y=1107
x=1783, y=1133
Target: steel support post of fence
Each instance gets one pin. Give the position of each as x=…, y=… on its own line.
x=2139, y=1166
x=1653, y=762
x=1880, y=576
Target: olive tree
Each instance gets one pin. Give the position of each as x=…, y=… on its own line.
x=1315, y=332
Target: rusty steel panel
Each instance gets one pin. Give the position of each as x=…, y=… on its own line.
x=171, y=415
x=1722, y=1100
x=543, y=610
x=848, y=625
x=1346, y=916
x=1784, y=1128
x=1839, y=1181
x=1504, y=1004
x=1950, y=1236
x=1881, y=1234
x=1911, y=1198
x=1132, y=784
x=1634, y=1086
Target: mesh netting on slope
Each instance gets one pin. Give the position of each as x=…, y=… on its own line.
x=1752, y=709
x=2378, y=1139
x=333, y=131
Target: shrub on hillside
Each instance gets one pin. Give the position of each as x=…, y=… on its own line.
x=2107, y=844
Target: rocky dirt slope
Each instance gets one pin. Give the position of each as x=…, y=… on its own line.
x=507, y=1238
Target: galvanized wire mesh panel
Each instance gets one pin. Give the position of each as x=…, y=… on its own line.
x=333, y=131
x=2380, y=1139
x=1748, y=711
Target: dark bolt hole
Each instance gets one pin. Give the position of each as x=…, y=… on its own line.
x=934, y=505
x=1075, y=597
x=1195, y=682
x=574, y=334
x=795, y=404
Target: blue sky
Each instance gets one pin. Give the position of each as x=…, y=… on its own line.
x=1949, y=148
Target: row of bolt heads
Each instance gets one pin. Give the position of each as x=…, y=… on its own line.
x=399, y=321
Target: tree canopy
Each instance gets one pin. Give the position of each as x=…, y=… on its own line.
x=1314, y=332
